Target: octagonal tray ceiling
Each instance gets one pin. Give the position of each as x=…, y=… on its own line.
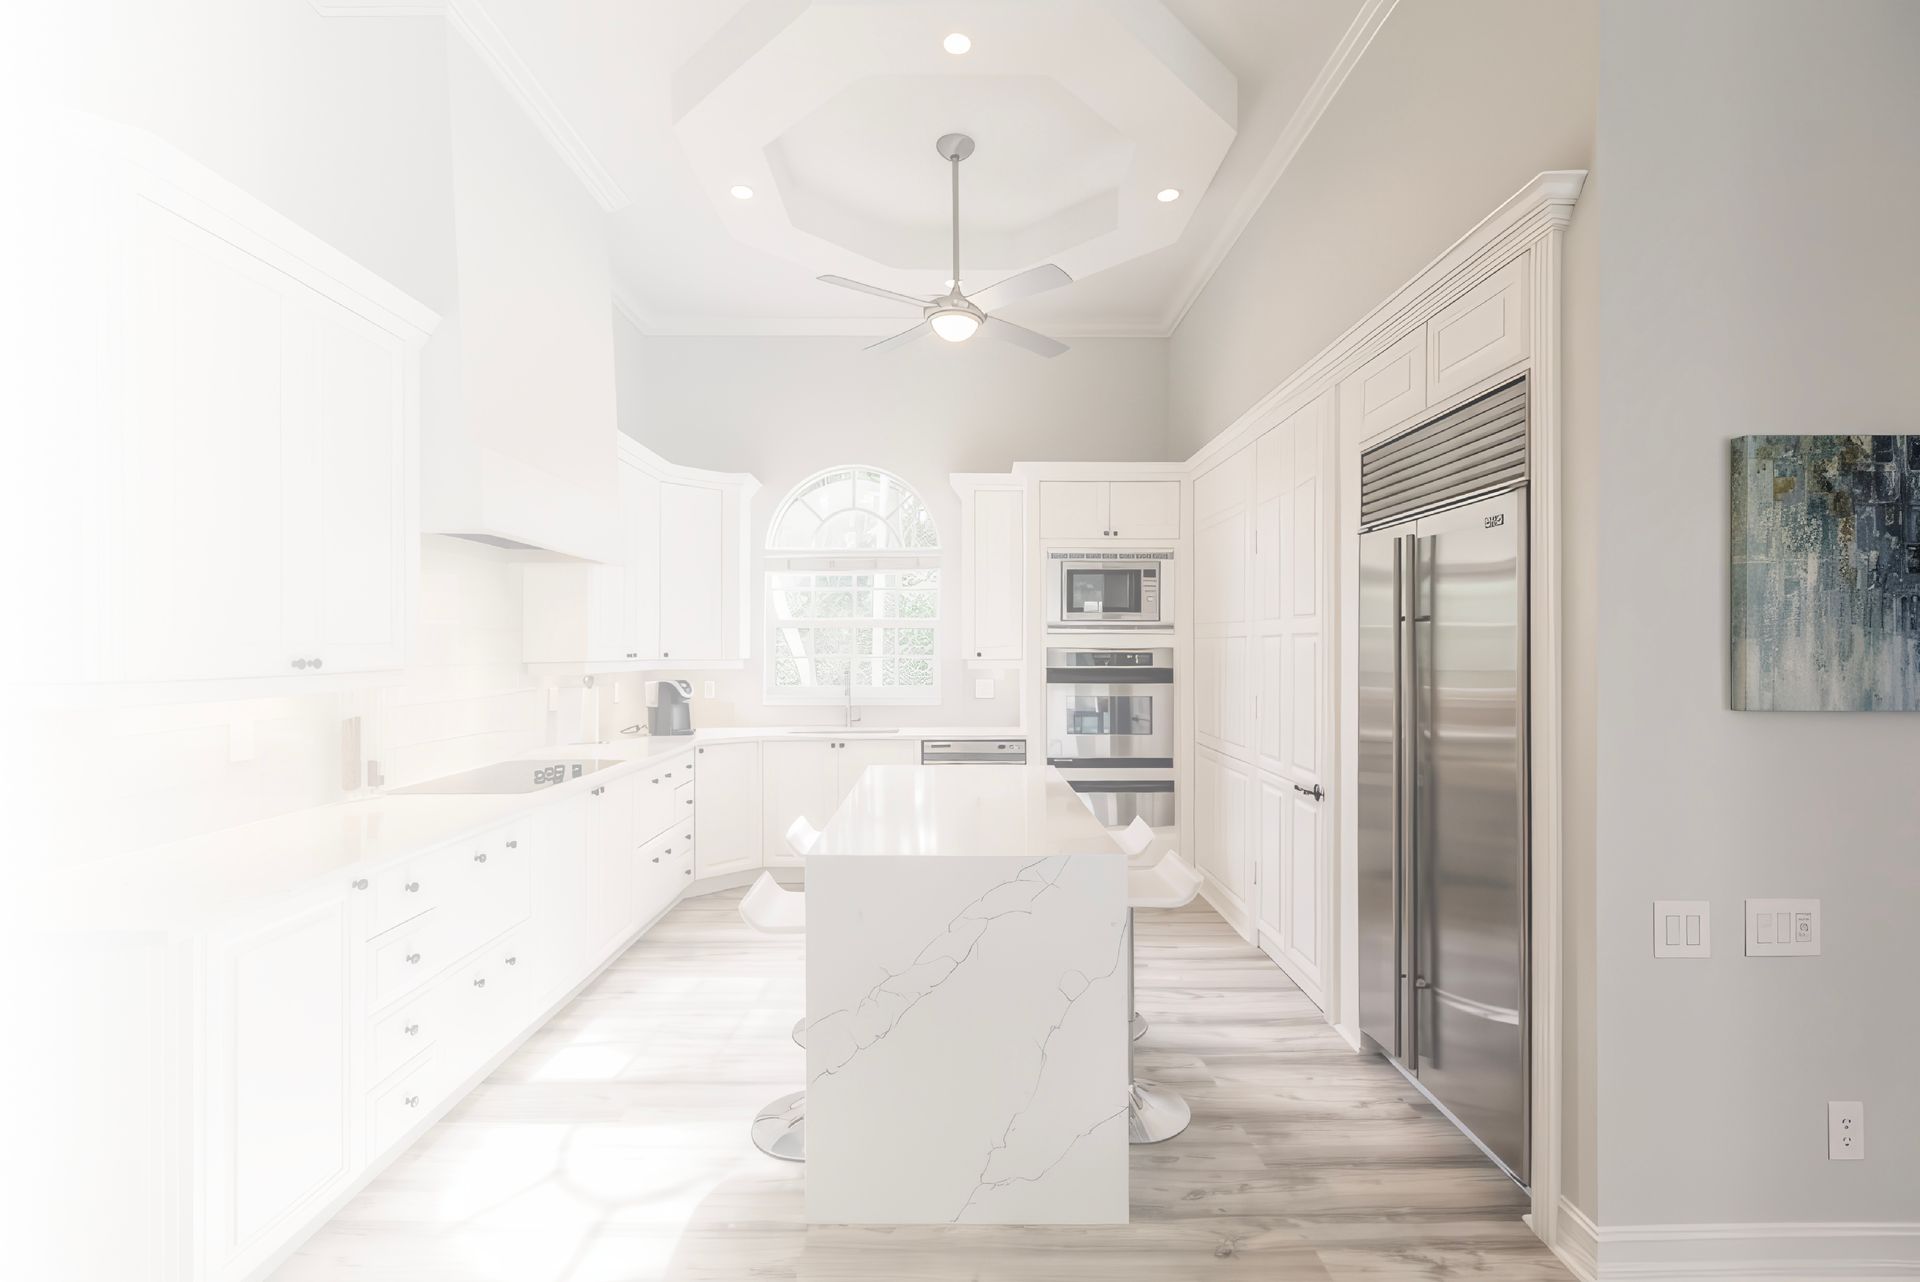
x=1082, y=111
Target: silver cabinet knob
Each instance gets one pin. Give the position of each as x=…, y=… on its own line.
x=513, y=845
x=359, y=883
x=412, y=1101
x=669, y=774
x=313, y=663
x=413, y=959
x=656, y=859
x=688, y=871
x=411, y=1029
x=480, y=857
x=480, y=982
x=513, y=961
x=413, y=887
x=300, y=663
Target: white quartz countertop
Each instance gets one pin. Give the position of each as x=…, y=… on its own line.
x=921, y=811
x=185, y=884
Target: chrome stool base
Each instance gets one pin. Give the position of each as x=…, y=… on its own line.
x=800, y=1032
x=1139, y=1026
x=1154, y=1113
x=780, y=1130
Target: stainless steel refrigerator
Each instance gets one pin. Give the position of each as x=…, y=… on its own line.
x=1443, y=893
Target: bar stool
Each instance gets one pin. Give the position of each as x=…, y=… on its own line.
x=779, y=1129
x=1135, y=839
x=1154, y=1112
x=802, y=837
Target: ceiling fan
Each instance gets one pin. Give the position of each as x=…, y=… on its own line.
x=953, y=315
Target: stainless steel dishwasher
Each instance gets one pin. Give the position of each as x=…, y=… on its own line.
x=973, y=752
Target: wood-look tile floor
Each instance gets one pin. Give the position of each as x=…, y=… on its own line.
x=612, y=1147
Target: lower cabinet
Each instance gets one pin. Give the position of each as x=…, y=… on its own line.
x=1223, y=811
x=278, y=1047
x=727, y=832
x=1289, y=909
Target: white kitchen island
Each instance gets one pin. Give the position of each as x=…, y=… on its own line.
x=966, y=1003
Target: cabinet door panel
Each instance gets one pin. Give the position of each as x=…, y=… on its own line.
x=996, y=586
x=278, y=1073
x=1144, y=509
x=855, y=755
x=354, y=598
x=727, y=810
x=1236, y=693
x=640, y=505
x=563, y=894
x=1225, y=801
x=1268, y=877
x=198, y=568
x=1208, y=655
x=797, y=779
x=1073, y=510
x=692, y=565
x=615, y=813
x=1302, y=896
x=1478, y=334
x=1392, y=387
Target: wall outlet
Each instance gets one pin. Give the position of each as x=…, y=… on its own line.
x=1783, y=928
x=1846, y=1130
x=1682, y=928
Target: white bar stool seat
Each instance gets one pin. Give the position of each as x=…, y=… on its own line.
x=802, y=836
x=779, y=1130
x=1155, y=1113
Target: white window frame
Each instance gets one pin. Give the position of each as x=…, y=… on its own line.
x=785, y=560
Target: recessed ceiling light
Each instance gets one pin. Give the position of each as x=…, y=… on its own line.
x=741, y=192
x=956, y=44
x=1169, y=193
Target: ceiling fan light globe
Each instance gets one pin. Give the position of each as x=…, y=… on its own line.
x=954, y=325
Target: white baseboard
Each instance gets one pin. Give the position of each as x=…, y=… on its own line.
x=1782, y=1252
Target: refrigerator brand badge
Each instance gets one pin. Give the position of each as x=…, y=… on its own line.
x=1498, y=518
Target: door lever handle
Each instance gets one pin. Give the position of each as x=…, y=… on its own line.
x=1316, y=792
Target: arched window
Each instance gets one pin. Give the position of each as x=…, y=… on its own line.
x=853, y=592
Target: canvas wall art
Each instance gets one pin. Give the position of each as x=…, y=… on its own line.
x=1826, y=573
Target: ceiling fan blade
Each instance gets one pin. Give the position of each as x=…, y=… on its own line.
x=901, y=339
x=1020, y=336
x=1026, y=284
x=876, y=291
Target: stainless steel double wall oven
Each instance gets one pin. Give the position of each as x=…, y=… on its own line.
x=1110, y=729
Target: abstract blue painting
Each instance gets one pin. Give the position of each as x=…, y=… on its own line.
x=1826, y=574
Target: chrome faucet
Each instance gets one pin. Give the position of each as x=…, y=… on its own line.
x=853, y=713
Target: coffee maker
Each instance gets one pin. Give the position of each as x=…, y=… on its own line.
x=670, y=707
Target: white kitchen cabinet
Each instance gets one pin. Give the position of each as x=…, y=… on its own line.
x=1223, y=803
x=857, y=754
x=727, y=828
x=675, y=598
x=1392, y=387
x=261, y=525
x=1144, y=509
x=277, y=1049
x=801, y=777
x=562, y=895
x=1110, y=510
x=612, y=813
x=1479, y=334
x=992, y=568
x=692, y=570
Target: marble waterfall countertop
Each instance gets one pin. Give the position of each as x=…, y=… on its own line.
x=966, y=1003
x=183, y=885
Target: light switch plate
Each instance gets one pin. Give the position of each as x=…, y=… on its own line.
x=1783, y=928
x=983, y=687
x=1682, y=928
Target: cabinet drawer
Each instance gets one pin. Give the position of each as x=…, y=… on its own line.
x=406, y=1031
x=496, y=882
x=492, y=992
x=408, y=889
x=683, y=802
x=407, y=958
x=655, y=813
x=395, y=1109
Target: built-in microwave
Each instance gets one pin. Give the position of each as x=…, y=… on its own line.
x=1103, y=589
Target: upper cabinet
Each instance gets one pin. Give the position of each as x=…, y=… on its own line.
x=675, y=596
x=1110, y=510
x=992, y=568
x=248, y=448
x=1470, y=340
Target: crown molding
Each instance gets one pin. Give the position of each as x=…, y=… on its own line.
x=1320, y=95
x=483, y=35
x=655, y=326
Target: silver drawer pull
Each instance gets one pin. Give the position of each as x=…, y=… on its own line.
x=480, y=982
x=413, y=959
x=480, y=858
x=359, y=883
x=656, y=778
x=412, y=1101
x=656, y=859
x=412, y=887
x=688, y=871
x=513, y=845
x=412, y=1029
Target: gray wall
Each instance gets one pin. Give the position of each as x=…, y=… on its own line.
x=1455, y=105
x=1762, y=166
